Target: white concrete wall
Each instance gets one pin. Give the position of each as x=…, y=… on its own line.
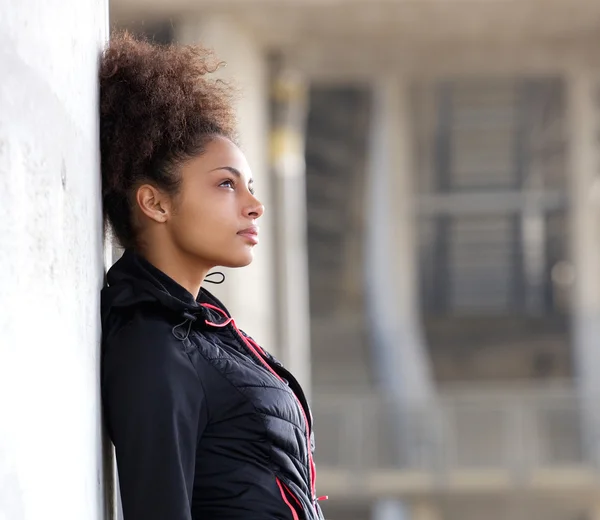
x=50, y=260
x=249, y=292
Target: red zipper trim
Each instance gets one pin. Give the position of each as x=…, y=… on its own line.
x=283, y=495
x=313, y=471
x=255, y=348
x=291, y=493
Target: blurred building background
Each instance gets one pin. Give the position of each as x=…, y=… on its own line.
x=430, y=267
x=432, y=183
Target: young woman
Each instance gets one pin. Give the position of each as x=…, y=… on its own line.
x=206, y=424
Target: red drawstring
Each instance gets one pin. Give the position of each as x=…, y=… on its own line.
x=257, y=350
x=248, y=344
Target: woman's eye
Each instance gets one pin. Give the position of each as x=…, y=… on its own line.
x=228, y=184
x=251, y=190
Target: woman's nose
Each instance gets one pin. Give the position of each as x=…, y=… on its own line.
x=255, y=209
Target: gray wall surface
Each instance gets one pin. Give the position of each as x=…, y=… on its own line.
x=51, y=260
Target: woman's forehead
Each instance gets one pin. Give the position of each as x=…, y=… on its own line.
x=222, y=155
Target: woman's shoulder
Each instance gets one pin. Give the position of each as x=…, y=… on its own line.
x=138, y=325
x=145, y=342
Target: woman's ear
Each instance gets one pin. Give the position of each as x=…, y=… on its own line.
x=153, y=203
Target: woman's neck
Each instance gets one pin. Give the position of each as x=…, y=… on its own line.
x=187, y=271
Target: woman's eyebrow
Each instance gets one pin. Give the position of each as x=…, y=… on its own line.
x=232, y=170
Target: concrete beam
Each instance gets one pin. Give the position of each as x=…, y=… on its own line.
x=332, y=62
x=299, y=22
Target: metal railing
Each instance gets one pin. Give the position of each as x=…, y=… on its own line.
x=517, y=433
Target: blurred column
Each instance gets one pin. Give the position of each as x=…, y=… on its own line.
x=391, y=275
x=391, y=278
x=585, y=246
x=390, y=509
x=289, y=108
x=594, y=512
x=424, y=510
x=248, y=292
x=393, y=509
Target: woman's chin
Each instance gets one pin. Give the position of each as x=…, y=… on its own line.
x=240, y=261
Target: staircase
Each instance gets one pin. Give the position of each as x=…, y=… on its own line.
x=335, y=159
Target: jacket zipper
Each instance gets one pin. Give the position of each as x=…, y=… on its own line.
x=255, y=350
x=311, y=464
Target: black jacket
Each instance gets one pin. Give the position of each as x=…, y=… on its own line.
x=206, y=425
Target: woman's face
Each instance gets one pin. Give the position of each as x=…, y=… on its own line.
x=214, y=215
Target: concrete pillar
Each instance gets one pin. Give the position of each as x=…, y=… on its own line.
x=391, y=272
x=594, y=512
x=393, y=509
x=390, y=509
x=424, y=510
x=51, y=261
x=248, y=292
x=289, y=108
x=584, y=231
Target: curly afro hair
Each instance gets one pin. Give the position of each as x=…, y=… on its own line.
x=159, y=106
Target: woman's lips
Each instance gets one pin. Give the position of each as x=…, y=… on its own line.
x=250, y=234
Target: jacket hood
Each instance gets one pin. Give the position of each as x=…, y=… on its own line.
x=133, y=281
